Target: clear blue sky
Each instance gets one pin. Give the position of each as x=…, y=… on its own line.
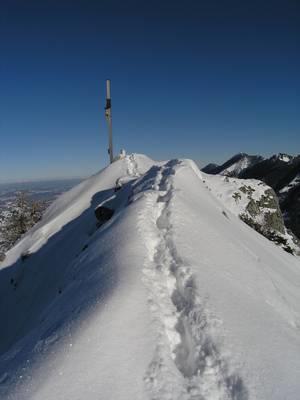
x=198, y=79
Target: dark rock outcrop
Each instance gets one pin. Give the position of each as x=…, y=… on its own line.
x=291, y=208
x=103, y=214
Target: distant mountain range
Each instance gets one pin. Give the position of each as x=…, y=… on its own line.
x=281, y=172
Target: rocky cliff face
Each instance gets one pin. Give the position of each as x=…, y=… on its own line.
x=281, y=172
x=264, y=215
x=257, y=205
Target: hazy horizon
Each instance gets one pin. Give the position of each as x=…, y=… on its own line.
x=39, y=180
x=79, y=178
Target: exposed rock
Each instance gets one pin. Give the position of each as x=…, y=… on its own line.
x=265, y=217
x=247, y=189
x=258, y=206
x=2, y=257
x=291, y=209
x=25, y=256
x=253, y=208
x=281, y=172
x=236, y=195
x=266, y=210
x=103, y=214
x=268, y=207
x=274, y=221
x=270, y=234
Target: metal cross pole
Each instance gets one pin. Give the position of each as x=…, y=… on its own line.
x=109, y=120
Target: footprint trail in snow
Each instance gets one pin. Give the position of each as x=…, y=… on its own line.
x=187, y=363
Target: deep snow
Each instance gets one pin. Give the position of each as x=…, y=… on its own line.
x=173, y=298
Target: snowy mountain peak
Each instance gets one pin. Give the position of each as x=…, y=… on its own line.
x=238, y=163
x=282, y=157
x=234, y=166
x=172, y=297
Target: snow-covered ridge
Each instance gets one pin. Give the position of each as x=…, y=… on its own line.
x=237, y=167
x=173, y=298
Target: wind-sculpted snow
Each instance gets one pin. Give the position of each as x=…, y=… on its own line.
x=173, y=298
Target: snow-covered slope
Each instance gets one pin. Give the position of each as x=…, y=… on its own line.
x=237, y=167
x=173, y=298
x=294, y=182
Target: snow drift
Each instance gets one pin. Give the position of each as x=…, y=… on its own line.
x=173, y=298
